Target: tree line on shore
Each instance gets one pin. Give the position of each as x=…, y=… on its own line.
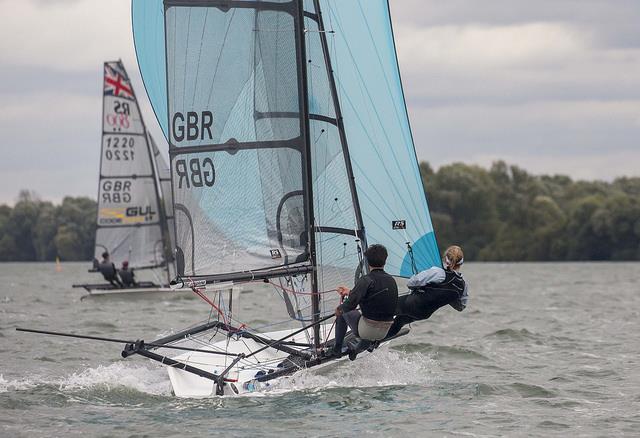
x=37, y=230
x=506, y=214
x=499, y=214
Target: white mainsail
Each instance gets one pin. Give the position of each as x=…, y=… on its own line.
x=130, y=222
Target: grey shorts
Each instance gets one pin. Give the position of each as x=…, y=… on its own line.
x=373, y=330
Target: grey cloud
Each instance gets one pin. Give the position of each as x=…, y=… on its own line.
x=18, y=79
x=614, y=23
x=577, y=113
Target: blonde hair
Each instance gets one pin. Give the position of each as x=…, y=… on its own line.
x=453, y=257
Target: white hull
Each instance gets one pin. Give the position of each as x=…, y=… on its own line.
x=133, y=292
x=241, y=378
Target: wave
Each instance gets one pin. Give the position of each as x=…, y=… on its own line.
x=383, y=367
x=144, y=379
x=150, y=380
x=514, y=334
x=452, y=351
x=124, y=382
x=15, y=385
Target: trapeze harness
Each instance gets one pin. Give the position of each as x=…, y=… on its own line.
x=426, y=299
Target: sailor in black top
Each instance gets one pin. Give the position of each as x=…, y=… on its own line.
x=432, y=289
x=377, y=295
x=126, y=275
x=108, y=270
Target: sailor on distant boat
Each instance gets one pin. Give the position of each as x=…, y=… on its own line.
x=377, y=295
x=108, y=270
x=126, y=275
x=432, y=289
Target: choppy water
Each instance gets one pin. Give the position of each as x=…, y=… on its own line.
x=544, y=349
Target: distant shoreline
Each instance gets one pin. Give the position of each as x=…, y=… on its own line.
x=501, y=213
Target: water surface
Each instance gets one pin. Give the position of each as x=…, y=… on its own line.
x=543, y=349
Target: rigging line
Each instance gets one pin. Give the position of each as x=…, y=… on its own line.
x=173, y=79
x=204, y=27
x=222, y=45
x=335, y=104
x=276, y=342
x=186, y=53
x=205, y=298
x=118, y=341
x=293, y=291
x=372, y=107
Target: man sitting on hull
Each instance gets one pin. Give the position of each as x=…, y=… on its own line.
x=108, y=270
x=126, y=275
x=377, y=295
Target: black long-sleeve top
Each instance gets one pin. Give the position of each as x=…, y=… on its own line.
x=377, y=295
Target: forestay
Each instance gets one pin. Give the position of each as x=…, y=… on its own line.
x=129, y=220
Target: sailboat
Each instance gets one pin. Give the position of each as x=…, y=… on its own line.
x=290, y=152
x=133, y=193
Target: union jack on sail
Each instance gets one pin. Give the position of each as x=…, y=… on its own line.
x=116, y=83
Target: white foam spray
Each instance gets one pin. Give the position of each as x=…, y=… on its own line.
x=140, y=377
x=384, y=367
x=15, y=385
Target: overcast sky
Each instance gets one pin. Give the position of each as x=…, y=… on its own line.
x=552, y=86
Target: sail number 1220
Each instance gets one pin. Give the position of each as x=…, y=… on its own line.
x=119, y=148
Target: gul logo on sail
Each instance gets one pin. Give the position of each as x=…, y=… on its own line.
x=126, y=215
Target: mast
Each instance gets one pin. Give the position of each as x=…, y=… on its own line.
x=343, y=137
x=95, y=240
x=315, y=297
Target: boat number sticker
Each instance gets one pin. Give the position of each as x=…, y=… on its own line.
x=275, y=254
x=399, y=225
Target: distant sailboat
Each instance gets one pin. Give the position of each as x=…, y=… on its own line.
x=132, y=224
x=290, y=151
